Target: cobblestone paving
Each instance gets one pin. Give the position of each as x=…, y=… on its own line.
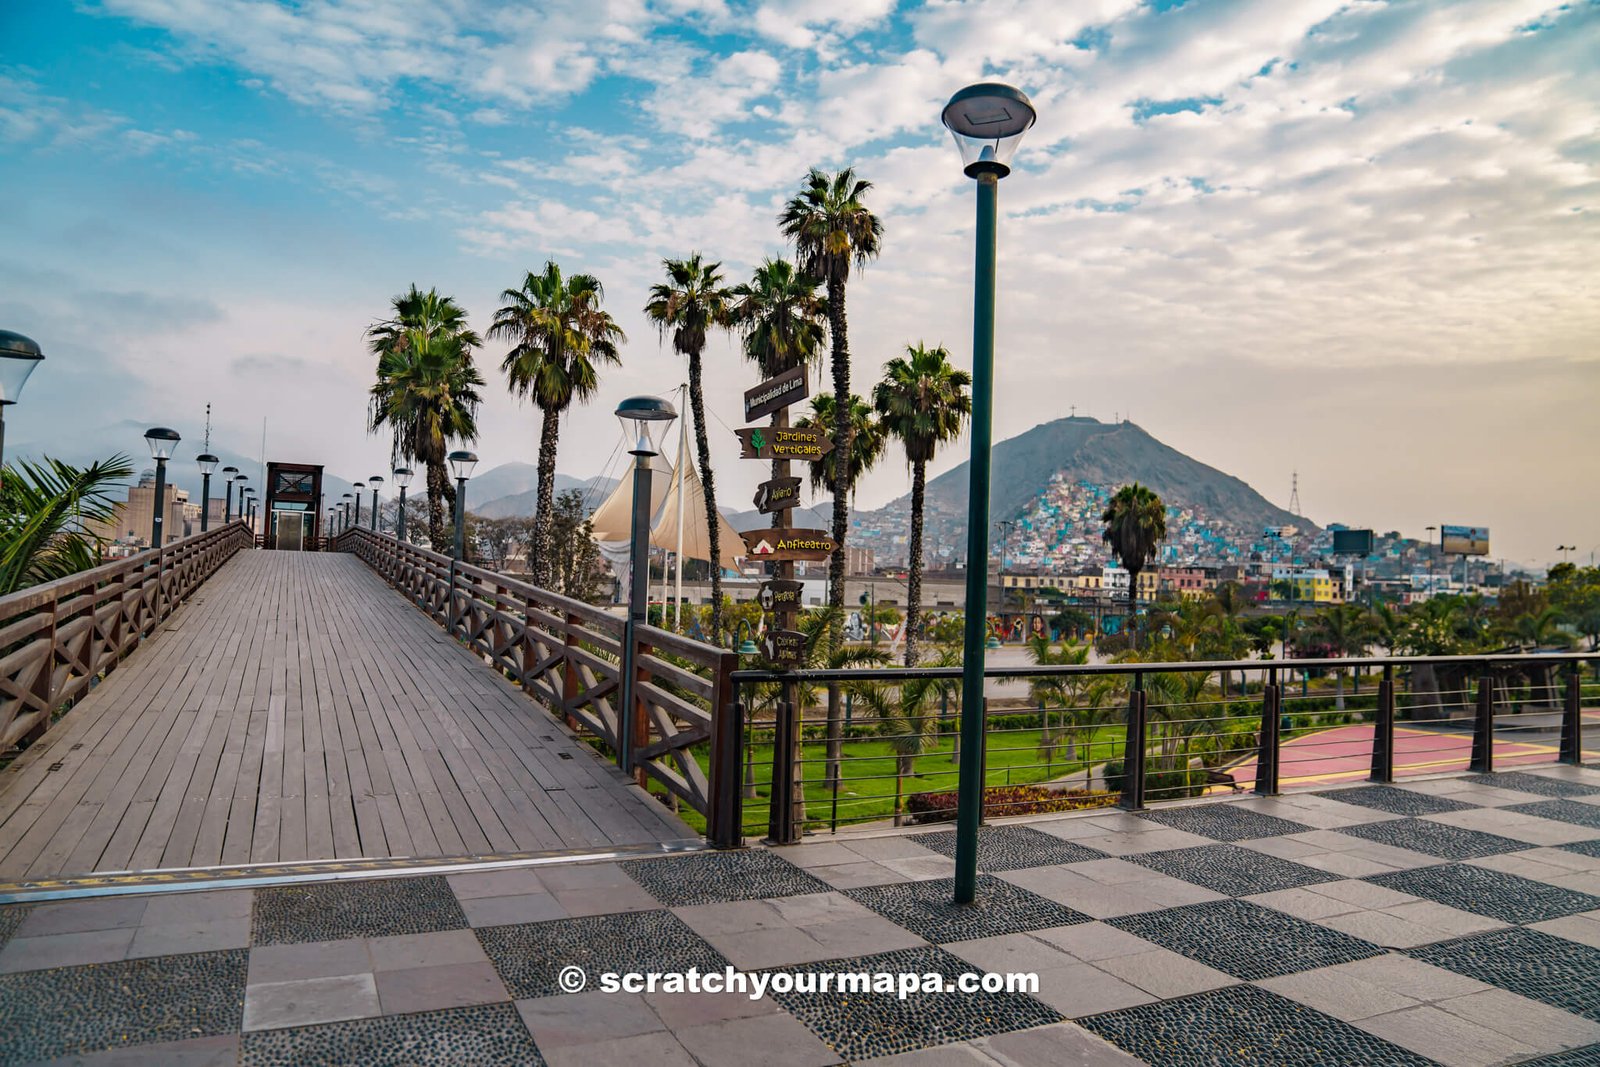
x=528, y=956
x=1246, y=940
x=1535, y=783
x=1435, y=839
x=11, y=916
x=385, y=907
x=720, y=877
x=486, y=1036
x=1526, y=962
x=926, y=910
x=1588, y=1056
x=1568, y=811
x=1238, y=872
x=1245, y=1026
x=1224, y=822
x=1012, y=848
x=1394, y=800
x=1507, y=897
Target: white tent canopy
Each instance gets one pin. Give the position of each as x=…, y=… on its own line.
x=614, y=517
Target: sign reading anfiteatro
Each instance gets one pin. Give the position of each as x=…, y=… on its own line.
x=776, y=546
x=780, y=596
x=785, y=648
x=763, y=442
x=776, y=495
x=775, y=394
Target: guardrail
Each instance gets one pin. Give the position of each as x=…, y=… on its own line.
x=1131, y=734
x=684, y=726
x=58, y=639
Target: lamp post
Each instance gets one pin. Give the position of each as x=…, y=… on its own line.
x=987, y=121
x=402, y=478
x=19, y=357
x=228, y=474
x=645, y=420
x=207, y=463
x=375, y=481
x=461, y=464
x=162, y=442
x=748, y=646
x=1430, y=560
x=344, y=518
x=356, y=489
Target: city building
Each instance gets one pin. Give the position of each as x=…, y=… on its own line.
x=132, y=519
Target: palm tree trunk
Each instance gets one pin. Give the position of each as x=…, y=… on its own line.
x=549, y=441
x=919, y=483
x=841, y=490
x=439, y=494
x=702, y=445
x=1133, y=609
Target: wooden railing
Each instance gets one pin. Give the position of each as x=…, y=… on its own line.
x=567, y=654
x=60, y=638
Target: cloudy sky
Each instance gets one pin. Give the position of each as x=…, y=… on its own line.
x=1360, y=240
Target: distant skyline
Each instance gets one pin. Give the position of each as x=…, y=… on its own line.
x=1357, y=240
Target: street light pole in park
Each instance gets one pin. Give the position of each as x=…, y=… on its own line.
x=461, y=464
x=162, y=442
x=19, y=357
x=402, y=478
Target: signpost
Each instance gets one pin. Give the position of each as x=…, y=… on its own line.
x=780, y=596
x=777, y=495
x=775, y=394
x=771, y=442
x=788, y=545
x=786, y=648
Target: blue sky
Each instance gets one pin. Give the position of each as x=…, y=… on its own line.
x=1353, y=239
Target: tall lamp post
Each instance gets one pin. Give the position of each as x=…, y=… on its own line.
x=162, y=442
x=645, y=420
x=247, y=504
x=207, y=463
x=375, y=481
x=244, y=491
x=228, y=475
x=1430, y=560
x=461, y=464
x=402, y=478
x=987, y=121
x=344, y=518
x=356, y=488
x=19, y=357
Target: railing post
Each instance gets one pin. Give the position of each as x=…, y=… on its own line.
x=1572, y=719
x=724, y=822
x=1483, y=728
x=780, y=812
x=1133, y=749
x=569, y=665
x=1271, y=738
x=641, y=719
x=44, y=687
x=1383, y=731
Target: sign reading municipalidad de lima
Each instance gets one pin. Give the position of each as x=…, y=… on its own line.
x=774, y=394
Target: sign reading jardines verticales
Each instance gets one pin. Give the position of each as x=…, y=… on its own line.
x=766, y=442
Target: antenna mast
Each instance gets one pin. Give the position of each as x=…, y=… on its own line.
x=1294, y=493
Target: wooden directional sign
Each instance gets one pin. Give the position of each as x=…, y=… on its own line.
x=781, y=546
x=780, y=596
x=776, y=495
x=785, y=648
x=775, y=394
x=763, y=442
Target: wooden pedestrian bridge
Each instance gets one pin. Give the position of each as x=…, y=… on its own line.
x=213, y=708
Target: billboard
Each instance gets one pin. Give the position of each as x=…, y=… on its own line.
x=1352, y=542
x=1464, y=540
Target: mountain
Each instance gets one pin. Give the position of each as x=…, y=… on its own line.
x=816, y=517
x=525, y=502
x=1082, y=449
x=507, y=479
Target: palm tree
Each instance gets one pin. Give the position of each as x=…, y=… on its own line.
x=1343, y=628
x=560, y=339
x=426, y=390
x=1079, y=697
x=783, y=320
x=923, y=401
x=1136, y=523
x=690, y=303
x=867, y=441
x=45, y=511
x=834, y=232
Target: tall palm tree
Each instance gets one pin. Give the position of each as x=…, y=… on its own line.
x=426, y=389
x=1342, y=627
x=782, y=317
x=1136, y=524
x=922, y=401
x=560, y=338
x=46, y=512
x=867, y=441
x=690, y=303
x=834, y=232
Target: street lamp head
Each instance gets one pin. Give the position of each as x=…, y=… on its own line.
x=402, y=477
x=232, y=473
x=208, y=462
x=358, y=486
x=19, y=357
x=645, y=419
x=349, y=496
x=375, y=481
x=461, y=464
x=162, y=441
x=988, y=121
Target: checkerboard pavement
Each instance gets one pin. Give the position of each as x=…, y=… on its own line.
x=1452, y=921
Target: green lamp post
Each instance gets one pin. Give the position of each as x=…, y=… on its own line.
x=461, y=464
x=987, y=121
x=747, y=647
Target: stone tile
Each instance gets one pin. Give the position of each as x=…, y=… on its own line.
x=921, y=868
x=1579, y=928
x=958, y=1054
x=1544, y=1028
x=715, y=877
x=1165, y=974
x=1243, y=1025
x=927, y=909
x=1467, y=791
x=1286, y=847
x=813, y=854
x=560, y=879
x=1065, y=1044
x=1011, y=848
x=1388, y=856
x=1104, y=901
x=696, y=1009
x=169, y=908
x=1447, y=922
x=1548, y=969
x=658, y=1050
x=336, y=910
x=587, y=1018
x=1012, y=953
x=529, y=956
x=425, y=950
x=199, y=935
x=857, y=874
x=1433, y=838
x=1445, y=1038
x=896, y=847
x=1586, y=882
x=1158, y=840
x=1387, y=929
x=779, y=1040
x=1081, y=989
x=1303, y=903
x=1507, y=897
x=1579, y=812
x=1223, y=821
x=1111, y=871
x=1395, y=800
x=1323, y=811
x=65, y=950
x=1411, y=978
x=488, y=1035
x=1363, y=894
x=311, y=959
x=1338, y=992
x=1246, y=940
x=219, y=1051
x=511, y=882
x=1092, y=942
x=1525, y=864
x=1538, y=784
x=82, y=916
x=450, y=985
x=787, y=930
x=274, y=1005
x=1518, y=826
x=77, y=1010
x=1231, y=870
x=522, y=908
x=607, y=900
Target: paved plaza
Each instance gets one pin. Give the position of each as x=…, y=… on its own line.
x=1454, y=920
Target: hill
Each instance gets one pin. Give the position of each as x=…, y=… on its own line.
x=525, y=503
